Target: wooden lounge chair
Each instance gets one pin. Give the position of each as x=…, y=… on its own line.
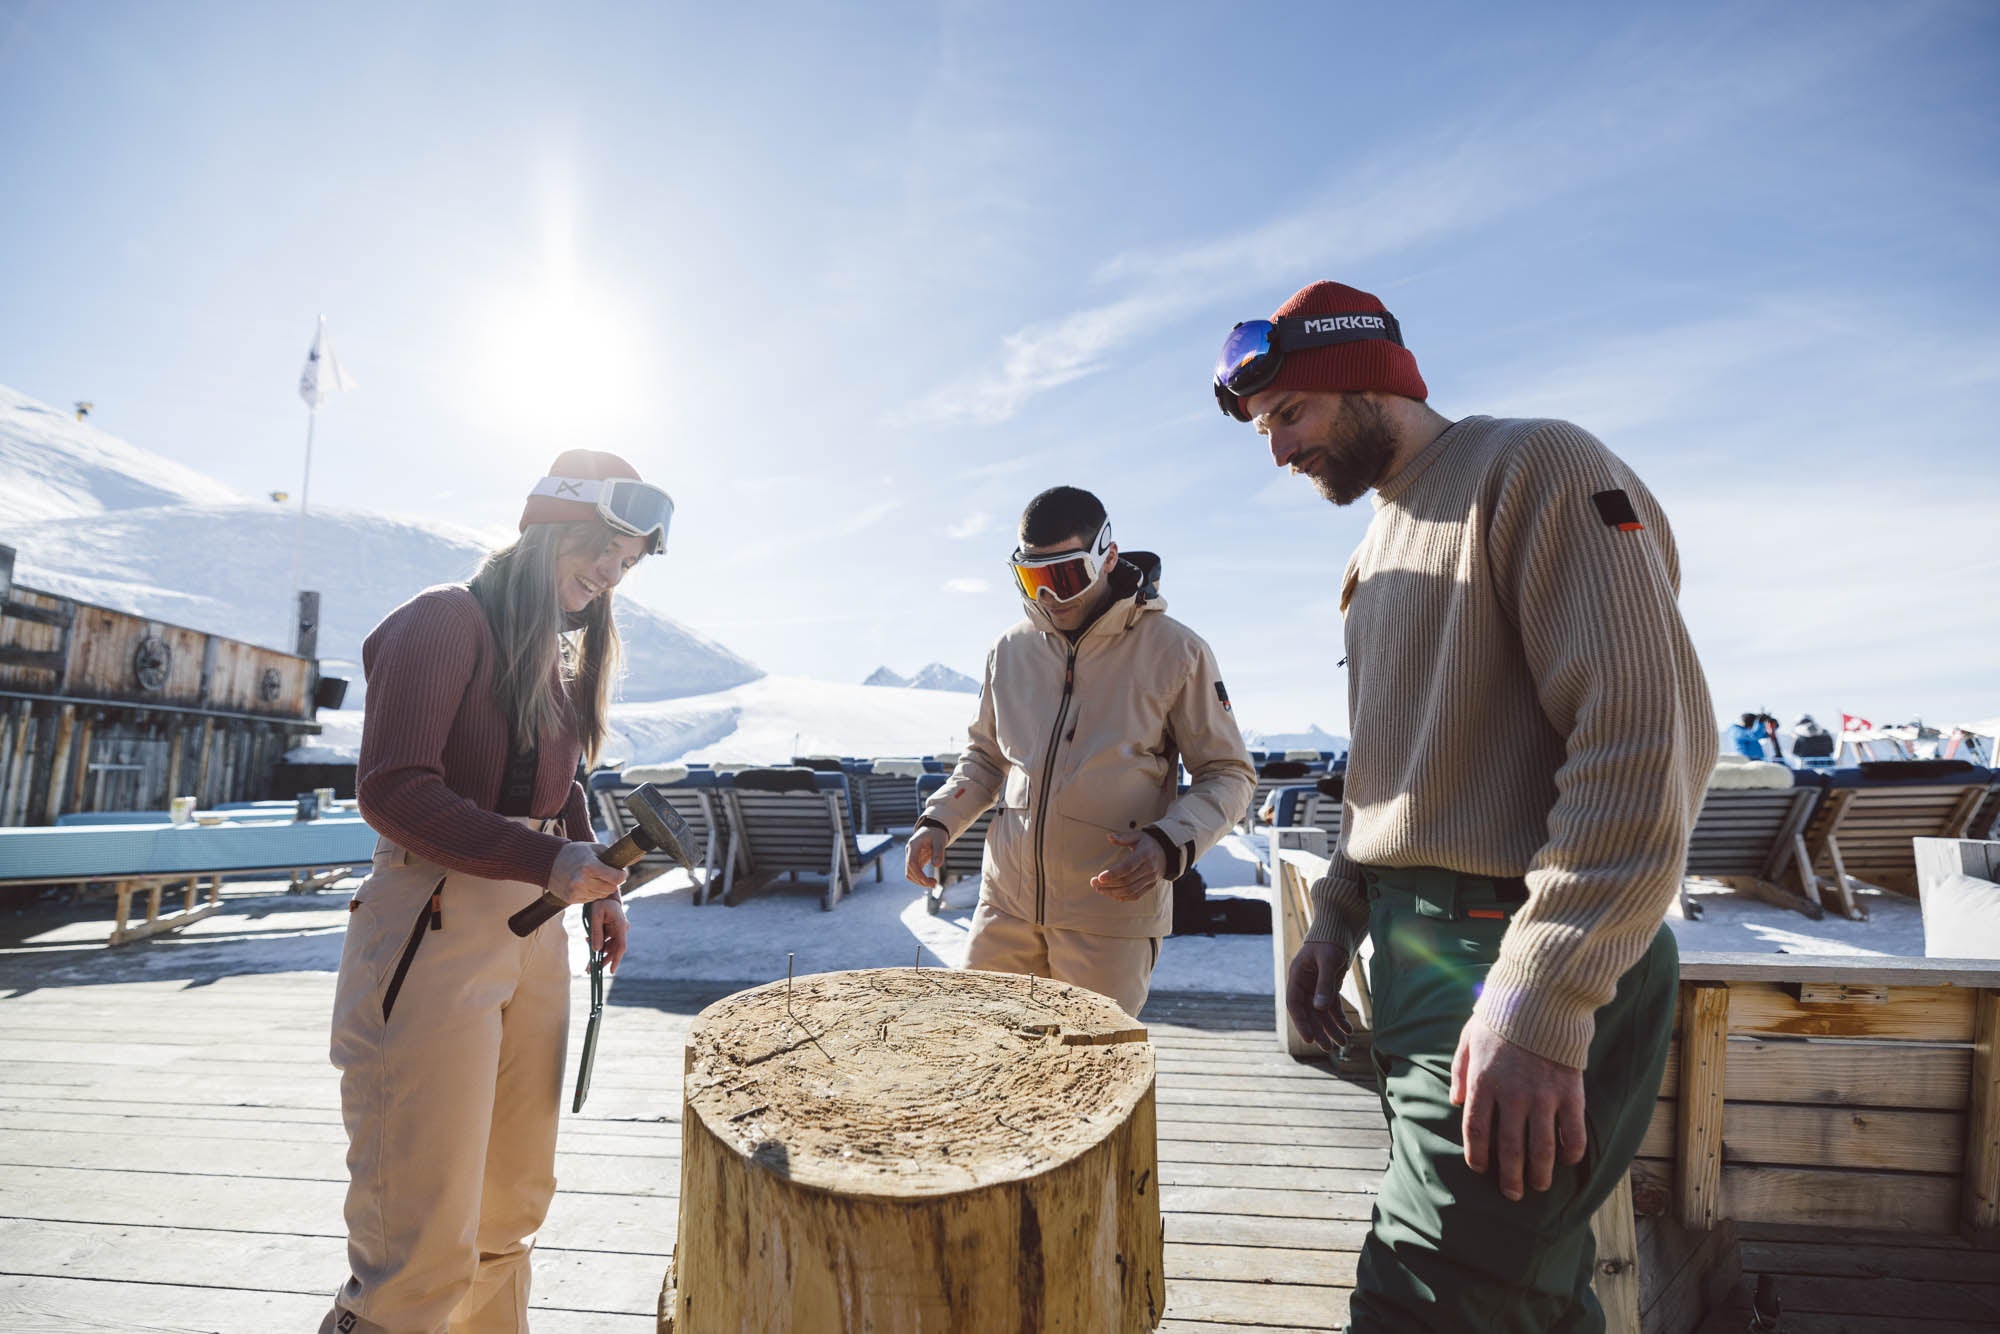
x=1861, y=833
x=1306, y=816
x=965, y=858
x=889, y=794
x=1274, y=774
x=1752, y=838
x=793, y=821
x=692, y=794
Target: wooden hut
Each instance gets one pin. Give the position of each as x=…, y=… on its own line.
x=104, y=710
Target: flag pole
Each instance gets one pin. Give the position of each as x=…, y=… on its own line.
x=299, y=541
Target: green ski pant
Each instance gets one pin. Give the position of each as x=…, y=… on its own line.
x=1447, y=1253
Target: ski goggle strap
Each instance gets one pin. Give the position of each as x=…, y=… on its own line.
x=1255, y=350
x=633, y=507
x=1063, y=576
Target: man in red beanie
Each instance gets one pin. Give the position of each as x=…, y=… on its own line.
x=1532, y=736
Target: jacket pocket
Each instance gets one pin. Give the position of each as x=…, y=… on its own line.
x=430, y=917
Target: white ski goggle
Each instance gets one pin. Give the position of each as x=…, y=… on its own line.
x=632, y=507
x=1064, y=576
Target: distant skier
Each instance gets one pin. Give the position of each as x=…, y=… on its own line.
x=1089, y=707
x=1747, y=735
x=448, y=1030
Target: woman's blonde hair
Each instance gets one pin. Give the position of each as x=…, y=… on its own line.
x=542, y=680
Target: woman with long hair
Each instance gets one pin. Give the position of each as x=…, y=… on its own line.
x=449, y=1030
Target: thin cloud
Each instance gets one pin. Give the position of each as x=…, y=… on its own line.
x=966, y=586
x=1384, y=207
x=972, y=525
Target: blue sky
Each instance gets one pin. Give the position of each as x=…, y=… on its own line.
x=854, y=283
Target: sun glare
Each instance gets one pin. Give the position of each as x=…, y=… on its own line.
x=552, y=351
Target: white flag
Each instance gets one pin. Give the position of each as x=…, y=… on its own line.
x=323, y=374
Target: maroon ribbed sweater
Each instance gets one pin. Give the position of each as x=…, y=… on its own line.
x=434, y=746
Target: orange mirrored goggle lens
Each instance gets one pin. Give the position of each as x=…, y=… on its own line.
x=1063, y=579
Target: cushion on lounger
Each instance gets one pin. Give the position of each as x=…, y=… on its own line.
x=777, y=780
x=1962, y=918
x=1736, y=772
x=1913, y=769
x=655, y=773
x=900, y=768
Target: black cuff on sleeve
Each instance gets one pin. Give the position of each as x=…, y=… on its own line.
x=1176, y=858
x=934, y=824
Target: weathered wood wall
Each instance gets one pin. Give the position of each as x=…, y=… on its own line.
x=101, y=710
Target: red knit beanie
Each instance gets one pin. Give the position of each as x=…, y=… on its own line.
x=1373, y=363
x=581, y=465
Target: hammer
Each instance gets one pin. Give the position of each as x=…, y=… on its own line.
x=656, y=827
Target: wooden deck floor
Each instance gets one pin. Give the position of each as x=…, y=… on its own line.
x=171, y=1154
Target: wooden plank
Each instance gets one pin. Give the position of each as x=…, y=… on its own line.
x=1286, y=1306
x=1350, y=1205
x=1888, y=1296
x=83, y=1306
x=1260, y=1264
x=1704, y=1020
x=1881, y=1255
x=214, y=1259
x=1835, y=1198
x=1871, y=1138
x=1913, y=1014
x=1890, y=969
x=1319, y=1234
x=1707, y=1267
x=1982, y=1132
x=1616, y=1281
x=1887, y=1074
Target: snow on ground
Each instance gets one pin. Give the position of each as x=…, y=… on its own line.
x=772, y=719
x=882, y=924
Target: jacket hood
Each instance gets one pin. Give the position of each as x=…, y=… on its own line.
x=1135, y=590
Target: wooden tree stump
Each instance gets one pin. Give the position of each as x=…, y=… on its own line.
x=903, y=1150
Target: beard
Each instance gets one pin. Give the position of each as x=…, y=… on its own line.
x=1358, y=448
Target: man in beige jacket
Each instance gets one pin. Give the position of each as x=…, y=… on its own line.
x=1090, y=705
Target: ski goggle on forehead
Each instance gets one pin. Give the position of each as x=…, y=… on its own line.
x=632, y=507
x=1256, y=349
x=1062, y=576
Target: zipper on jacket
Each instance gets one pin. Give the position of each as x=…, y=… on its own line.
x=431, y=918
x=1048, y=783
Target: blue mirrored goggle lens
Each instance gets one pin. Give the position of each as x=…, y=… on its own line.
x=1245, y=357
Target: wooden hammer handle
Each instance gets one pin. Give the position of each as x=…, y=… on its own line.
x=624, y=852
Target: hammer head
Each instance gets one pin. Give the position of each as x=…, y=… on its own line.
x=659, y=826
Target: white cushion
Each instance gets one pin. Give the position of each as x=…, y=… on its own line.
x=654, y=773
x=1736, y=772
x=899, y=768
x=1962, y=918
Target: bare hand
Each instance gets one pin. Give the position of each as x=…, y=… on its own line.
x=609, y=928
x=1132, y=876
x=925, y=848
x=1522, y=1111
x=1312, y=994
x=581, y=877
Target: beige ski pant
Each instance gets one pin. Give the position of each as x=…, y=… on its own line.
x=1120, y=967
x=449, y=1033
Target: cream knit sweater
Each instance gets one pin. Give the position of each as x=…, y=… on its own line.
x=1525, y=701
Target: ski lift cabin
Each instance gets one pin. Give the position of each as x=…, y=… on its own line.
x=101, y=710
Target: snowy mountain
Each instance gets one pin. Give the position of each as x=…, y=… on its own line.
x=95, y=518
x=935, y=676
x=1313, y=738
